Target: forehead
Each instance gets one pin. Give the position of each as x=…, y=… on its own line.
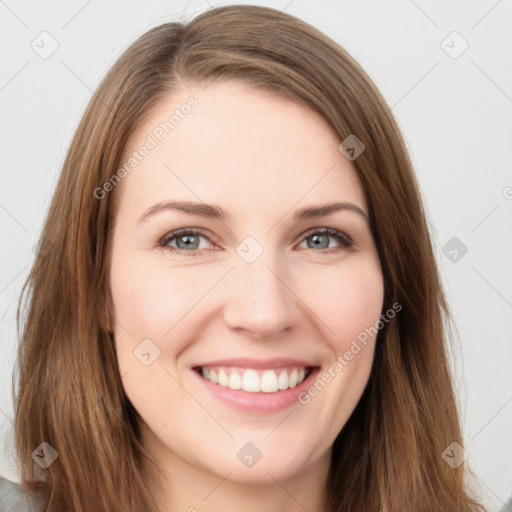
x=239, y=146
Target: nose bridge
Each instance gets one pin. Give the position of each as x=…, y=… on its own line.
x=259, y=298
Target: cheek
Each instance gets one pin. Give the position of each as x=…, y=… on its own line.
x=349, y=304
x=152, y=299
x=347, y=300
x=154, y=302
x=150, y=303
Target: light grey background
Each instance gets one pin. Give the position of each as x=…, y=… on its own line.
x=454, y=110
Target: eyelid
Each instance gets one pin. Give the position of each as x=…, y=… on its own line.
x=326, y=230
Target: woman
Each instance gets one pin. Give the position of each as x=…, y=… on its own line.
x=263, y=372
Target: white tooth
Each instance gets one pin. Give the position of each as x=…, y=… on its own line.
x=223, y=379
x=292, y=379
x=269, y=382
x=205, y=373
x=251, y=381
x=213, y=377
x=282, y=381
x=301, y=375
x=235, y=381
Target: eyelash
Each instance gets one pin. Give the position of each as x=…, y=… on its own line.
x=345, y=241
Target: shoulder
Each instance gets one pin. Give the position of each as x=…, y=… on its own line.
x=13, y=498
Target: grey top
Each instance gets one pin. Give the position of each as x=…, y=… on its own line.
x=13, y=498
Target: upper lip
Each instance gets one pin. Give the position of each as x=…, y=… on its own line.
x=259, y=364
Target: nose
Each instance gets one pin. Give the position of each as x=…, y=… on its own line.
x=261, y=302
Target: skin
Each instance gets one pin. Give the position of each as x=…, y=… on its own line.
x=260, y=157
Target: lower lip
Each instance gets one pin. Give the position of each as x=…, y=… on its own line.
x=258, y=402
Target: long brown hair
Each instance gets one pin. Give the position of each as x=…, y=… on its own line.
x=388, y=456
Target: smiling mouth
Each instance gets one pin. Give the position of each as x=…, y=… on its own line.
x=255, y=381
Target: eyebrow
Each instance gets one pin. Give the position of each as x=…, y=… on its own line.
x=215, y=212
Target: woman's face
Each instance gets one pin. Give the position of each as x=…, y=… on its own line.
x=253, y=300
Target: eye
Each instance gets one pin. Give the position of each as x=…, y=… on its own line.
x=188, y=241
x=320, y=239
